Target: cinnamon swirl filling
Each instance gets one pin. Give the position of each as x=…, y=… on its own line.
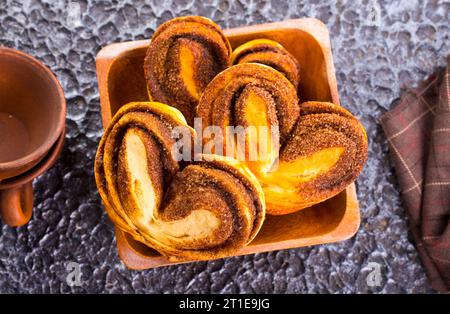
x=184, y=55
x=251, y=94
x=313, y=151
x=324, y=154
x=202, y=210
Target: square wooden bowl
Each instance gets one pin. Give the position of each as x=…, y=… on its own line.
x=121, y=80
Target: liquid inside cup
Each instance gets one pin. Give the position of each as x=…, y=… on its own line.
x=12, y=131
x=32, y=110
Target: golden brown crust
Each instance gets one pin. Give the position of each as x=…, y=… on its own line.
x=246, y=179
x=183, y=57
x=316, y=159
x=220, y=103
x=207, y=210
x=322, y=127
x=270, y=53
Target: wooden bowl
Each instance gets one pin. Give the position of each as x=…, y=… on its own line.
x=121, y=80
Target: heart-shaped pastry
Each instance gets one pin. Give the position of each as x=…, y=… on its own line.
x=200, y=210
x=304, y=154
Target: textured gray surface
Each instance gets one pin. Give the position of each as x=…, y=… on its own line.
x=378, y=50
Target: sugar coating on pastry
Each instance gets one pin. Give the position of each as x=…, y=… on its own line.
x=203, y=210
x=184, y=55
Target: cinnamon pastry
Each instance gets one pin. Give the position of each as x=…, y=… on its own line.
x=251, y=94
x=184, y=55
x=205, y=210
x=313, y=152
x=324, y=154
x=271, y=53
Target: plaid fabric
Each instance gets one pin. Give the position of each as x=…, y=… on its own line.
x=418, y=133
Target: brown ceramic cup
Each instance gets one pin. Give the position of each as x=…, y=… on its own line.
x=32, y=125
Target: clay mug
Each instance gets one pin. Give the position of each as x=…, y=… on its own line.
x=32, y=129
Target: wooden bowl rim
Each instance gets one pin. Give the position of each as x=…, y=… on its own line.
x=345, y=229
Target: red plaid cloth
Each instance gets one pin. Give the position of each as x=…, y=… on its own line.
x=418, y=132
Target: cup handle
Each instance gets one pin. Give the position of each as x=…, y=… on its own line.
x=16, y=205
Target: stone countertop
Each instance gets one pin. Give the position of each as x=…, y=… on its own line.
x=380, y=48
